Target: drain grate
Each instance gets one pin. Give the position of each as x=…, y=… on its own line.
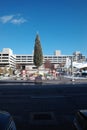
x=42, y=116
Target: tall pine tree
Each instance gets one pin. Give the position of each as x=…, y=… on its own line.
x=38, y=54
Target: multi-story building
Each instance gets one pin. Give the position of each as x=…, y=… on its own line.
x=7, y=58
x=77, y=56
x=57, y=53
x=26, y=61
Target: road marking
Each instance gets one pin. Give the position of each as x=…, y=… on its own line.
x=48, y=96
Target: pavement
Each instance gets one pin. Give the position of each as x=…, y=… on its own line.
x=43, y=106
x=59, y=80
x=51, y=104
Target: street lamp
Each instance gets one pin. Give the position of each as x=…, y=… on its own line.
x=72, y=74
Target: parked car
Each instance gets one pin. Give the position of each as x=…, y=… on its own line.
x=6, y=121
x=80, y=120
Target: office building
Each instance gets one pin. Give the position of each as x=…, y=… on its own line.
x=7, y=58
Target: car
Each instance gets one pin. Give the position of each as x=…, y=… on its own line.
x=80, y=120
x=6, y=121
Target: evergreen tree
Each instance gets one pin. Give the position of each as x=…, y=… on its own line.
x=38, y=55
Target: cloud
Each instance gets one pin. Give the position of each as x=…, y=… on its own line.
x=18, y=21
x=14, y=19
x=5, y=19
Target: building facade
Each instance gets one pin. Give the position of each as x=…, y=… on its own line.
x=77, y=56
x=7, y=58
x=27, y=60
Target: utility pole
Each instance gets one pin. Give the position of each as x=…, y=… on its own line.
x=72, y=74
x=71, y=65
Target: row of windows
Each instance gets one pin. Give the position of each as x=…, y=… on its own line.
x=24, y=56
x=4, y=57
x=7, y=61
x=47, y=57
x=30, y=57
x=24, y=61
x=43, y=59
x=4, y=54
x=4, y=60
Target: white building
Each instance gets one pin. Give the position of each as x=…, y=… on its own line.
x=57, y=53
x=27, y=60
x=77, y=56
x=7, y=58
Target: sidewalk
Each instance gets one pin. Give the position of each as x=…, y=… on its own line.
x=59, y=80
x=67, y=80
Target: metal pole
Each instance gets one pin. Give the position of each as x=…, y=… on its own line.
x=72, y=65
x=72, y=74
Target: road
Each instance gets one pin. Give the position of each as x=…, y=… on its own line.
x=43, y=106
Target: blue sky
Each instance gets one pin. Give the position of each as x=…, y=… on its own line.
x=61, y=24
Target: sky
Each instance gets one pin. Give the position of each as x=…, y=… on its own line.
x=61, y=25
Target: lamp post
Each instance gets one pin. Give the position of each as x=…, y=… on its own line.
x=72, y=74
x=71, y=66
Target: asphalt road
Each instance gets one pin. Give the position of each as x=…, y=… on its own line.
x=43, y=106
